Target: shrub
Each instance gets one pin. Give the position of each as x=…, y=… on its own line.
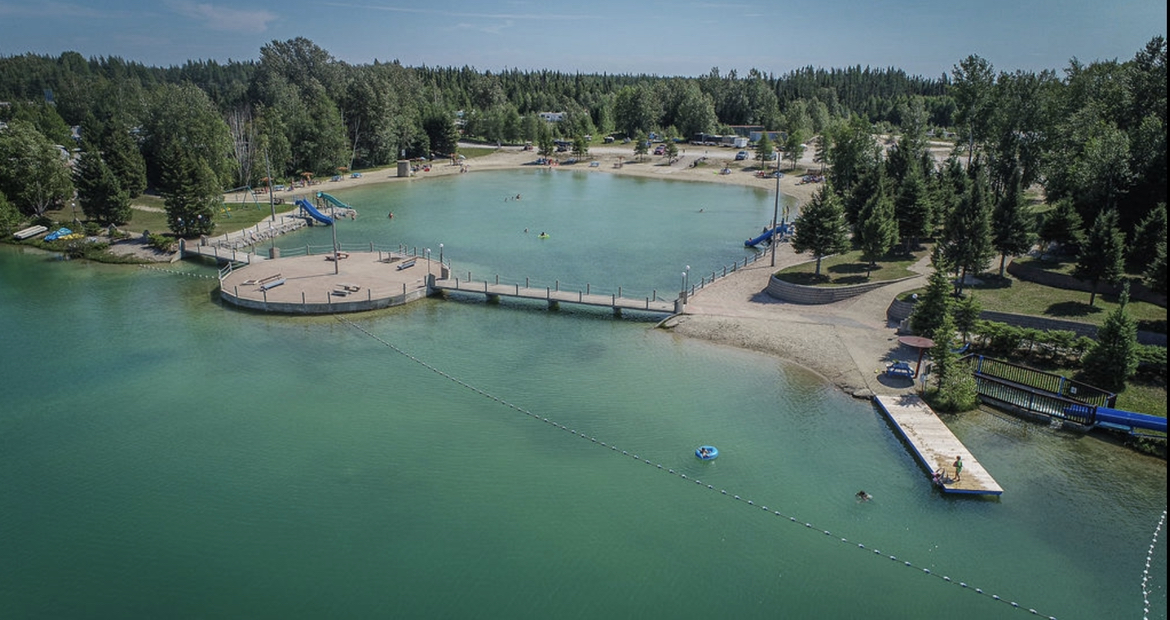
x=162, y=243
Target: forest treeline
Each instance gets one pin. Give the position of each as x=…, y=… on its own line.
x=1093, y=137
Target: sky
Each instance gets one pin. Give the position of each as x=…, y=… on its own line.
x=678, y=38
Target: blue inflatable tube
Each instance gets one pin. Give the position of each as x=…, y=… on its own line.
x=707, y=453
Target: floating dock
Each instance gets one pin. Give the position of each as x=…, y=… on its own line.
x=936, y=446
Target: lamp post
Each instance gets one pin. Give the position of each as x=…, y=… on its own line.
x=336, y=252
x=775, y=212
x=440, y=259
x=686, y=276
x=427, y=255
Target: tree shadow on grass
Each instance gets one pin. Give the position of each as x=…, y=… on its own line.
x=1072, y=309
x=990, y=282
x=1152, y=325
x=851, y=273
x=804, y=279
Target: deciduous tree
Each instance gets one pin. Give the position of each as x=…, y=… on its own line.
x=33, y=174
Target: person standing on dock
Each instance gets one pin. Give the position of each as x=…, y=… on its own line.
x=958, y=468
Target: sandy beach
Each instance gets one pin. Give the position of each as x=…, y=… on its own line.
x=847, y=342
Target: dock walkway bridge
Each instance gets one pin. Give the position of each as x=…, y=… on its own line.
x=443, y=281
x=558, y=292
x=1056, y=398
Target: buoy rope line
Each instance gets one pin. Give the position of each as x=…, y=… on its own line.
x=699, y=483
x=178, y=273
x=1146, y=572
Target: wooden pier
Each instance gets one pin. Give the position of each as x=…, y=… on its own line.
x=554, y=296
x=936, y=446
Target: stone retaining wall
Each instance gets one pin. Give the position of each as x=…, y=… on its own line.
x=814, y=295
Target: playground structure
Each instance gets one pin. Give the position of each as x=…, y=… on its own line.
x=1038, y=393
x=779, y=232
x=313, y=212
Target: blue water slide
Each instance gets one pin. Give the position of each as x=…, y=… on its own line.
x=751, y=243
x=1114, y=418
x=312, y=211
x=333, y=201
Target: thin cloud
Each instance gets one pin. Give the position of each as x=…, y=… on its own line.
x=486, y=28
x=464, y=15
x=51, y=10
x=223, y=18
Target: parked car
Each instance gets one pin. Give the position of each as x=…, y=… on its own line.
x=660, y=149
x=740, y=156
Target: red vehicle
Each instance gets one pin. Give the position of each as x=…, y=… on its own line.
x=660, y=149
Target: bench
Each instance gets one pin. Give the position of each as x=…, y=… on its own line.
x=31, y=231
x=265, y=280
x=271, y=283
x=407, y=264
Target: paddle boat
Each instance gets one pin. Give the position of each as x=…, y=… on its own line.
x=707, y=453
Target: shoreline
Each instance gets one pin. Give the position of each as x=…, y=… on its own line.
x=848, y=343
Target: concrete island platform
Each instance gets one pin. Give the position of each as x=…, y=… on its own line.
x=318, y=284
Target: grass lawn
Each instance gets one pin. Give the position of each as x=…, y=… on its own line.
x=230, y=218
x=848, y=269
x=1023, y=297
x=471, y=152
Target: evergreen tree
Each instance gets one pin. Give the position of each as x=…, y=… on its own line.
x=1114, y=358
x=850, y=151
x=1063, y=226
x=671, y=151
x=1155, y=275
x=935, y=302
x=98, y=191
x=820, y=227
x=764, y=151
x=912, y=207
x=121, y=154
x=955, y=383
x=1101, y=256
x=968, y=234
x=580, y=147
x=544, y=140
x=190, y=192
x=1011, y=226
x=443, y=134
x=948, y=187
x=640, y=145
x=1146, y=237
x=872, y=181
x=877, y=230
x=966, y=314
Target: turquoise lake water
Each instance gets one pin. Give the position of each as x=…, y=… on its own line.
x=162, y=455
